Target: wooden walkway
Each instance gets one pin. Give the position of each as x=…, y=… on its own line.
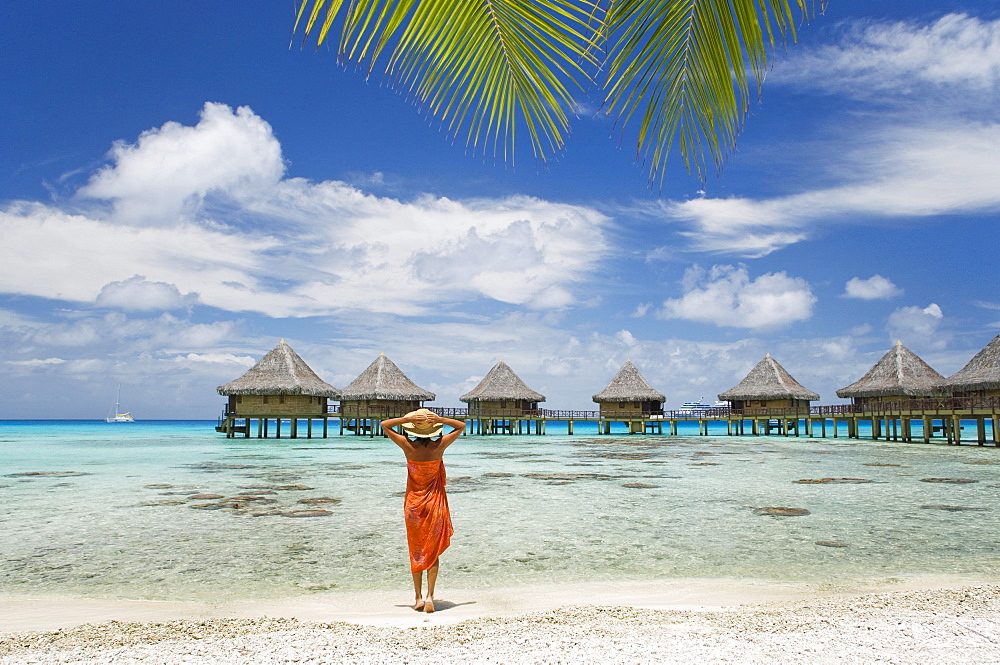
x=923, y=420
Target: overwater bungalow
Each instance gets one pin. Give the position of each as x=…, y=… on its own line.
x=280, y=386
x=899, y=376
x=380, y=392
x=769, y=388
x=630, y=399
x=628, y=395
x=980, y=378
x=500, y=400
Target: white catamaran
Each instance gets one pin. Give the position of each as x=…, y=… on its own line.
x=115, y=415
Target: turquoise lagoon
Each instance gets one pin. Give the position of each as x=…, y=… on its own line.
x=103, y=510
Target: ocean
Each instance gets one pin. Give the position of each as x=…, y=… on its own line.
x=107, y=510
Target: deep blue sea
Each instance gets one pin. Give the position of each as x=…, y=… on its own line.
x=97, y=509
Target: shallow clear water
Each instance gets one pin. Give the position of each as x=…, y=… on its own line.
x=527, y=509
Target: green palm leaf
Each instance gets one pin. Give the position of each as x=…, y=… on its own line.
x=483, y=67
x=486, y=68
x=680, y=67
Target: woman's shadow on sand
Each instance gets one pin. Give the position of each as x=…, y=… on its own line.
x=441, y=605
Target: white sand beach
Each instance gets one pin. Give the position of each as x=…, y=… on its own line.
x=691, y=621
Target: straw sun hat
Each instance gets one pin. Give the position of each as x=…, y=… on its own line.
x=422, y=430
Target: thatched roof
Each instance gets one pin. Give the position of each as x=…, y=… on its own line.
x=980, y=373
x=383, y=380
x=768, y=380
x=629, y=385
x=899, y=372
x=501, y=383
x=280, y=372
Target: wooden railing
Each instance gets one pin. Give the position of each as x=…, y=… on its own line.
x=386, y=412
x=923, y=406
x=928, y=405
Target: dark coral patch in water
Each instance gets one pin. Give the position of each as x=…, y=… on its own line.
x=953, y=509
x=626, y=456
x=952, y=481
x=831, y=543
x=568, y=476
x=831, y=481
x=780, y=511
x=216, y=466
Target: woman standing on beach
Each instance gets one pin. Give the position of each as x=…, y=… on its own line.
x=428, y=521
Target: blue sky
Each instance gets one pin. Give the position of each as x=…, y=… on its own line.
x=179, y=190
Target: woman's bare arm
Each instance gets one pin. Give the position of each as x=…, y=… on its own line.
x=388, y=428
x=457, y=427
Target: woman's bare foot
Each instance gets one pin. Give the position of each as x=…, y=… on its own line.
x=419, y=605
x=429, y=605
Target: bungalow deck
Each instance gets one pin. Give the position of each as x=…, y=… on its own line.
x=940, y=420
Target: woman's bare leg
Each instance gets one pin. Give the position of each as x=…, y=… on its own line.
x=432, y=575
x=418, y=585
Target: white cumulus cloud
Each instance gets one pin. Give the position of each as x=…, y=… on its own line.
x=875, y=287
x=137, y=294
x=725, y=295
x=918, y=326
x=204, y=214
x=165, y=175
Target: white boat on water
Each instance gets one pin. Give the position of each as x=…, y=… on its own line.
x=115, y=415
x=699, y=406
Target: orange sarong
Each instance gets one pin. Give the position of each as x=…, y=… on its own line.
x=428, y=520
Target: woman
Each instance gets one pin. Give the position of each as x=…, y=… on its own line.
x=428, y=521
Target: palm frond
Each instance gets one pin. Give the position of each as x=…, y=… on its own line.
x=680, y=69
x=483, y=67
